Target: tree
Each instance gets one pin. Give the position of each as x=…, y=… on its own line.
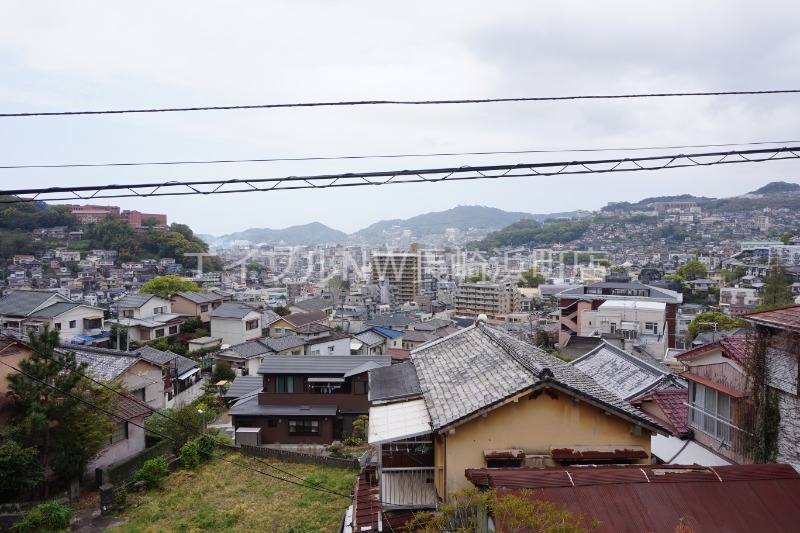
x=282, y=310
x=480, y=276
x=530, y=278
x=181, y=424
x=19, y=467
x=786, y=237
x=692, y=270
x=777, y=290
x=150, y=222
x=166, y=286
x=714, y=321
x=61, y=412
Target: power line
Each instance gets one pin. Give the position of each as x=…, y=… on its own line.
x=386, y=156
x=427, y=175
x=400, y=102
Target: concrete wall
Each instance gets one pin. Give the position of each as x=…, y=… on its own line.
x=232, y=330
x=122, y=450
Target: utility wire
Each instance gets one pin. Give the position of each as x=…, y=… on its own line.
x=400, y=102
x=388, y=156
x=427, y=175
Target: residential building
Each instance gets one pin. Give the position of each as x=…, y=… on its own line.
x=574, y=301
x=469, y=401
x=22, y=311
x=235, y=322
x=638, y=325
x=307, y=399
x=198, y=304
x=495, y=300
x=289, y=323
x=147, y=317
x=403, y=270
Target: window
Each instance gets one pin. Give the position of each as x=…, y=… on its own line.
x=315, y=352
x=120, y=432
x=139, y=393
x=160, y=332
x=330, y=349
x=251, y=324
x=127, y=313
x=651, y=326
x=57, y=326
x=245, y=422
x=710, y=411
x=73, y=324
x=204, y=308
x=278, y=331
x=284, y=384
x=360, y=387
x=173, y=330
x=159, y=310
x=307, y=427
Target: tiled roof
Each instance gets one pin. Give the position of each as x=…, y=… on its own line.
x=370, y=338
x=250, y=349
x=243, y=385
x=734, y=347
x=135, y=301
x=783, y=318
x=433, y=325
x=314, y=304
x=707, y=337
x=476, y=368
x=300, y=319
x=312, y=328
x=105, y=365
x=624, y=374
x=56, y=309
x=232, y=310
x=389, y=321
x=23, y=303
x=200, y=297
x=317, y=364
x=283, y=342
x=393, y=382
x=158, y=357
x=268, y=317
x=673, y=403
x=130, y=407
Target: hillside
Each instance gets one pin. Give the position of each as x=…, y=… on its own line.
x=313, y=233
x=533, y=233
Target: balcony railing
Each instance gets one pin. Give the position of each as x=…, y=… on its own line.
x=409, y=487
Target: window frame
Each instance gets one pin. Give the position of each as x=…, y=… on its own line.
x=303, y=426
x=119, y=433
x=707, y=411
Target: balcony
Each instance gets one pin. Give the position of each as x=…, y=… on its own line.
x=409, y=488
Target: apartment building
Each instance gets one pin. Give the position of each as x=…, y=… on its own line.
x=495, y=300
x=403, y=270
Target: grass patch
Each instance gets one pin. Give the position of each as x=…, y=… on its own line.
x=220, y=496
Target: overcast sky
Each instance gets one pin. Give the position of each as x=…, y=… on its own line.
x=70, y=56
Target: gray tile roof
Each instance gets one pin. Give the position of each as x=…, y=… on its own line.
x=476, y=368
x=250, y=349
x=56, y=309
x=622, y=373
x=252, y=408
x=268, y=317
x=23, y=303
x=105, y=365
x=134, y=301
x=317, y=364
x=283, y=342
x=370, y=338
x=158, y=357
x=433, y=325
x=232, y=310
x=389, y=321
x=393, y=382
x=200, y=297
x=300, y=319
x=243, y=385
x=314, y=304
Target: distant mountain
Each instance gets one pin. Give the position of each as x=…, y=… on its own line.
x=313, y=233
x=462, y=217
x=777, y=187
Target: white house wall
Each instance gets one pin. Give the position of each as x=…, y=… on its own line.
x=77, y=314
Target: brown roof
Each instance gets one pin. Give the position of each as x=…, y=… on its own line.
x=673, y=403
x=735, y=348
x=398, y=354
x=129, y=408
x=784, y=317
x=366, y=512
x=637, y=498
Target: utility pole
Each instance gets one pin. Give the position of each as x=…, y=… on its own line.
x=118, y=322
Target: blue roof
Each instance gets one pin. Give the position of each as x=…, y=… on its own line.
x=387, y=332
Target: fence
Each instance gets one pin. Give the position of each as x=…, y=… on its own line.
x=297, y=457
x=124, y=471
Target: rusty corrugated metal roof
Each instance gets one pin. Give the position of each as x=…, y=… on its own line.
x=585, y=453
x=634, y=498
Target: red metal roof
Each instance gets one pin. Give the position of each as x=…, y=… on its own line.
x=784, y=317
x=366, y=512
x=634, y=498
x=398, y=354
x=595, y=454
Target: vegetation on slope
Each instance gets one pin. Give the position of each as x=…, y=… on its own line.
x=534, y=233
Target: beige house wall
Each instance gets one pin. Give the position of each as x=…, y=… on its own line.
x=11, y=355
x=535, y=426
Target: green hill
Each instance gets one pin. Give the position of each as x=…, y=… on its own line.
x=313, y=233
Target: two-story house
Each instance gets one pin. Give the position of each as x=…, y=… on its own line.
x=21, y=311
x=147, y=317
x=287, y=324
x=235, y=322
x=198, y=304
x=308, y=398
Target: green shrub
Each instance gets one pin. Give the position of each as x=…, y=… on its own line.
x=206, y=445
x=121, y=499
x=190, y=454
x=153, y=472
x=338, y=451
x=45, y=517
